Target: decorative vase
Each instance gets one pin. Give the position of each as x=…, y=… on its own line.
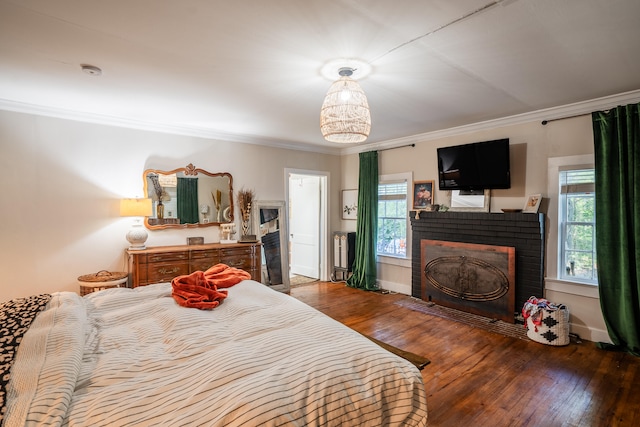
x=245, y=198
x=160, y=210
x=246, y=215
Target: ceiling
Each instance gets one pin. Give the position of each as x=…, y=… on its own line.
x=250, y=71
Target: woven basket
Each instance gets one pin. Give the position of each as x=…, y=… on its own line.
x=101, y=280
x=554, y=329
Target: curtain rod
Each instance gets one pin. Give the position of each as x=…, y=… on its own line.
x=544, y=122
x=400, y=146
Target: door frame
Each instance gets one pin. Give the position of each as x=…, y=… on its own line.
x=324, y=213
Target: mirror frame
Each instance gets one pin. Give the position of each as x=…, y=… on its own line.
x=189, y=170
x=285, y=286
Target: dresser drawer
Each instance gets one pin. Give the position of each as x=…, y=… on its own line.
x=167, y=256
x=202, y=265
x=241, y=263
x=164, y=272
x=210, y=254
x=202, y=260
x=241, y=251
x=238, y=257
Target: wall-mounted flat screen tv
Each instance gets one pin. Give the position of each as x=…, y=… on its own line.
x=476, y=166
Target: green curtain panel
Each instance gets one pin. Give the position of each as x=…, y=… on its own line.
x=188, y=200
x=364, y=265
x=617, y=166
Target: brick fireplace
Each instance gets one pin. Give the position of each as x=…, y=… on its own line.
x=524, y=232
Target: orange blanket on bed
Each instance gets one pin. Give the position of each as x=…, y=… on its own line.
x=200, y=288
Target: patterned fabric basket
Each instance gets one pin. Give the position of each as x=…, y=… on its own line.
x=546, y=323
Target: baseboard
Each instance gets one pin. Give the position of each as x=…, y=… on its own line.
x=400, y=288
x=590, y=334
x=584, y=332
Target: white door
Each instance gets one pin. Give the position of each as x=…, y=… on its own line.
x=304, y=225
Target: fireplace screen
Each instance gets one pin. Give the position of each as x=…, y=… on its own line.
x=479, y=279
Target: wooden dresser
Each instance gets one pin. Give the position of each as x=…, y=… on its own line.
x=163, y=263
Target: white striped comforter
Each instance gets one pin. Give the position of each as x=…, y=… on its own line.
x=133, y=357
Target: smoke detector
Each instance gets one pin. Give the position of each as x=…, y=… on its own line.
x=92, y=70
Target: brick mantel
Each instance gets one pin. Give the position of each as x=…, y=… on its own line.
x=523, y=231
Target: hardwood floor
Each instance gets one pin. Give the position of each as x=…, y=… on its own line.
x=480, y=378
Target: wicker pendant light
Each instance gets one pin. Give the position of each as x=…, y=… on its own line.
x=345, y=116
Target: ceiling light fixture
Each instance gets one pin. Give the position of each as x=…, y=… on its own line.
x=345, y=116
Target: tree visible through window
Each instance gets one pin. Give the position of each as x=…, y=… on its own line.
x=577, y=216
x=392, y=219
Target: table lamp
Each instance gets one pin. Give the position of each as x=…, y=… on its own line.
x=137, y=208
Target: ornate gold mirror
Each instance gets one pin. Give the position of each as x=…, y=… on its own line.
x=188, y=197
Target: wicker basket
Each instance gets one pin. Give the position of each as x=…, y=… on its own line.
x=554, y=328
x=101, y=280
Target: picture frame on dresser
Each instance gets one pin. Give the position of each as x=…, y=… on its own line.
x=195, y=240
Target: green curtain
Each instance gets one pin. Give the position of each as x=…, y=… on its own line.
x=617, y=166
x=364, y=265
x=188, y=200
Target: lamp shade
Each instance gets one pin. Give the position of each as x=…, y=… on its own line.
x=345, y=115
x=135, y=207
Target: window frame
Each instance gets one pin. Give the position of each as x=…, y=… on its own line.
x=552, y=280
x=405, y=260
x=564, y=192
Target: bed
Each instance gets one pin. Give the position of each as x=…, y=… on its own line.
x=123, y=357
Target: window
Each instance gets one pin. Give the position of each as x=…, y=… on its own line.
x=577, y=228
x=392, y=218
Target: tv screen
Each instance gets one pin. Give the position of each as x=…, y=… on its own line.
x=476, y=166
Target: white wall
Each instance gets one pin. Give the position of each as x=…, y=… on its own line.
x=63, y=180
x=531, y=145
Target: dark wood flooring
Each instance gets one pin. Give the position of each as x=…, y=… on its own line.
x=480, y=378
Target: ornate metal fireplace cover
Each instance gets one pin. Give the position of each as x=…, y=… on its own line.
x=467, y=278
x=475, y=278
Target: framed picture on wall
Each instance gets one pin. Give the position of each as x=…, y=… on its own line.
x=422, y=194
x=469, y=200
x=349, y=204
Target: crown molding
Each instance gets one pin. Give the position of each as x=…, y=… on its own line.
x=554, y=113
x=549, y=114
x=199, y=132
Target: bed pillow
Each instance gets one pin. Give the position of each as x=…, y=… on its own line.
x=15, y=318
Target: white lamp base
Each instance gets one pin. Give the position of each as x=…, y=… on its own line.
x=137, y=236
